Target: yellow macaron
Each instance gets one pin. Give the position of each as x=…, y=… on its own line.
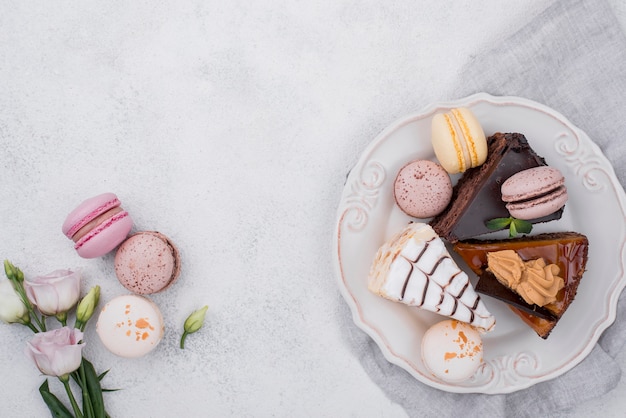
x=458, y=140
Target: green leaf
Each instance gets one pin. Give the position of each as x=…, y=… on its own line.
x=516, y=226
x=497, y=224
x=101, y=376
x=522, y=226
x=75, y=375
x=94, y=388
x=56, y=407
x=512, y=230
x=104, y=373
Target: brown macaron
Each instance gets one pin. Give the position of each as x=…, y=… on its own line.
x=147, y=262
x=535, y=192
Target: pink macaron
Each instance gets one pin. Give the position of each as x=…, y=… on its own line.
x=97, y=225
x=422, y=189
x=534, y=193
x=147, y=262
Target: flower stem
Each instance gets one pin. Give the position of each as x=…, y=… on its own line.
x=79, y=325
x=19, y=288
x=42, y=323
x=66, y=382
x=32, y=327
x=62, y=318
x=87, y=405
x=182, y=339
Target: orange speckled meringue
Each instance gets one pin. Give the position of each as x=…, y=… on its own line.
x=452, y=350
x=130, y=326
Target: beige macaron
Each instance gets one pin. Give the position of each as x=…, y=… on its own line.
x=130, y=326
x=458, y=140
x=452, y=350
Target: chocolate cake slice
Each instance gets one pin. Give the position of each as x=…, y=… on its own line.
x=477, y=198
x=568, y=250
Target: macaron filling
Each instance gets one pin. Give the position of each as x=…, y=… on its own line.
x=103, y=226
x=469, y=146
x=95, y=222
x=542, y=197
x=459, y=144
x=89, y=217
x=542, y=205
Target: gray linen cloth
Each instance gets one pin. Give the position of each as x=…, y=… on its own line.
x=570, y=57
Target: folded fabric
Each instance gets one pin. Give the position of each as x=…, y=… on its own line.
x=570, y=58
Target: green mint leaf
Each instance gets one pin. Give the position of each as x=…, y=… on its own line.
x=512, y=230
x=497, y=224
x=515, y=226
x=522, y=227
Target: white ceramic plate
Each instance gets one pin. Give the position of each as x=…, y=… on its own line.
x=515, y=357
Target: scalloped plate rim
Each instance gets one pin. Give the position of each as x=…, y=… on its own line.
x=381, y=341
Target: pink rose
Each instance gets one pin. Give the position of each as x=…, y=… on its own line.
x=54, y=293
x=56, y=352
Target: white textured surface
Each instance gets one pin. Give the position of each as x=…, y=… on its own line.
x=229, y=127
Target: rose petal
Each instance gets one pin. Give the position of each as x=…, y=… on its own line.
x=55, y=292
x=68, y=292
x=56, y=352
x=45, y=297
x=66, y=359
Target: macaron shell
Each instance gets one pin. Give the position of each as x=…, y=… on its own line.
x=130, y=326
x=443, y=145
x=88, y=210
x=539, y=207
x=452, y=350
x=105, y=237
x=530, y=183
x=147, y=263
x=458, y=140
x=422, y=189
x=477, y=135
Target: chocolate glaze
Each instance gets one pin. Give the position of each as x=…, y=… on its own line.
x=477, y=197
x=489, y=285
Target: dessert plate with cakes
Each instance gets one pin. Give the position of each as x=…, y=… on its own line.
x=481, y=243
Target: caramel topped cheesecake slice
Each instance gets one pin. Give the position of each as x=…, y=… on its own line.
x=416, y=269
x=567, y=250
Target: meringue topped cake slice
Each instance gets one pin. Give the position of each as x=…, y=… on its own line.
x=415, y=268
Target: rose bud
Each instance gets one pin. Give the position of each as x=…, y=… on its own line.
x=13, y=273
x=57, y=352
x=86, y=306
x=12, y=308
x=193, y=323
x=55, y=293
